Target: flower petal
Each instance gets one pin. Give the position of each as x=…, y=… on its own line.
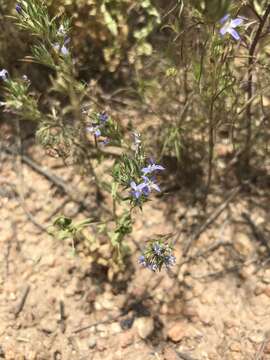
x=144, y=188
x=145, y=178
x=158, y=167
x=234, y=34
x=146, y=170
x=137, y=194
x=223, y=30
x=236, y=22
x=133, y=185
x=64, y=50
x=156, y=187
x=224, y=19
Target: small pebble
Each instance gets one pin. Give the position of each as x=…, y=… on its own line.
x=144, y=326
x=177, y=332
x=92, y=343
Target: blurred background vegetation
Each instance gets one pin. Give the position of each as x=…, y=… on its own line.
x=160, y=54
x=109, y=37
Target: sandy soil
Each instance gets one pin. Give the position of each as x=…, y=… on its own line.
x=215, y=304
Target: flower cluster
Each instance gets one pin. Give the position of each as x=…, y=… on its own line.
x=61, y=46
x=60, y=39
x=157, y=254
x=97, y=126
x=148, y=183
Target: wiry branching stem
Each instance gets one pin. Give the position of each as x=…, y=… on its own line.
x=251, y=61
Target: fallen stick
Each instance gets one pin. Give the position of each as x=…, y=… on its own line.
x=57, y=181
x=258, y=234
x=40, y=170
x=86, y=327
x=62, y=317
x=21, y=303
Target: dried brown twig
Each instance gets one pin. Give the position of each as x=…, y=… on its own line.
x=62, y=316
x=73, y=194
x=22, y=301
x=211, y=219
x=251, y=62
x=19, y=171
x=258, y=234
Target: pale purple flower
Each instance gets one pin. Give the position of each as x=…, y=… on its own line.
x=4, y=74
x=150, y=183
x=139, y=190
x=224, y=19
x=169, y=260
x=18, y=8
x=157, y=248
x=105, y=142
x=98, y=126
x=142, y=260
x=156, y=255
x=62, y=49
x=151, y=168
x=97, y=133
x=230, y=25
x=94, y=130
x=103, y=117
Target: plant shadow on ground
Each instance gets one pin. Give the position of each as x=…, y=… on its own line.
x=99, y=274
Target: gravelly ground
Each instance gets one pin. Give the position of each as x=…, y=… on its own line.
x=216, y=307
